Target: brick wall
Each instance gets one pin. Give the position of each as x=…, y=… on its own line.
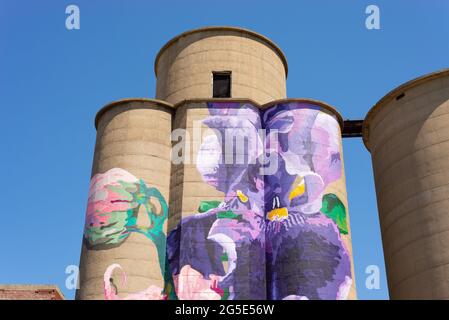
x=30, y=292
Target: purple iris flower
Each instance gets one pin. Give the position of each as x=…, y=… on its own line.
x=306, y=256
x=268, y=232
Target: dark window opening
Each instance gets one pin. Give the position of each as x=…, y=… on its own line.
x=399, y=97
x=221, y=84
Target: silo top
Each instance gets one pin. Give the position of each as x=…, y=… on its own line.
x=396, y=93
x=330, y=109
x=264, y=39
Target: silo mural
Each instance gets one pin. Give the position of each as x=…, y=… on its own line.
x=280, y=230
x=279, y=225
x=306, y=256
x=125, y=231
x=219, y=252
x=114, y=201
x=259, y=210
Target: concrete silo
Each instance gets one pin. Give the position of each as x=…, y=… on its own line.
x=130, y=182
x=407, y=133
x=308, y=237
x=166, y=207
x=186, y=68
x=186, y=65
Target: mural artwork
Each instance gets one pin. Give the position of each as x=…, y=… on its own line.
x=225, y=242
x=306, y=257
x=277, y=232
x=114, y=201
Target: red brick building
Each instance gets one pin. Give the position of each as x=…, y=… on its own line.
x=30, y=292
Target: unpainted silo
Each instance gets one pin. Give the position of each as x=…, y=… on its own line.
x=187, y=66
x=123, y=251
x=407, y=133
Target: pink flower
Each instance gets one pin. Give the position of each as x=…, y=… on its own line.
x=106, y=194
x=191, y=285
x=111, y=196
x=110, y=291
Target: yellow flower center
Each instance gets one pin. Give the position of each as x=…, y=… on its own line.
x=278, y=214
x=242, y=196
x=298, y=190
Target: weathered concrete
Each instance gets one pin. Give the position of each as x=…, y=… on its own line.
x=407, y=133
x=134, y=135
x=185, y=64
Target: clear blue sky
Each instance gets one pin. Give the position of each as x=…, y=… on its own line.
x=53, y=81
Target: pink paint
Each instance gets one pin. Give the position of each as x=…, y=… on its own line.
x=104, y=200
x=110, y=293
x=190, y=285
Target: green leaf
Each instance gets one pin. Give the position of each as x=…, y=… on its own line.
x=228, y=215
x=225, y=294
x=207, y=205
x=334, y=208
x=224, y=257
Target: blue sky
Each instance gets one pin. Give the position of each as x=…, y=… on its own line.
x=53, y=81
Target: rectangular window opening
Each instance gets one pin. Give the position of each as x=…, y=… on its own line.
x=221, y=84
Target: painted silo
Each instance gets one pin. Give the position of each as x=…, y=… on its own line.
x=407, y=133
x=216, y=228
x=308, y=241
x=185, y=66
x=240, y=201
x=123, y=251
x=267, y=220
x=216, y=238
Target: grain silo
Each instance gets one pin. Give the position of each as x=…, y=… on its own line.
x=191, y=193
x=407, y=133
x=237, y=60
